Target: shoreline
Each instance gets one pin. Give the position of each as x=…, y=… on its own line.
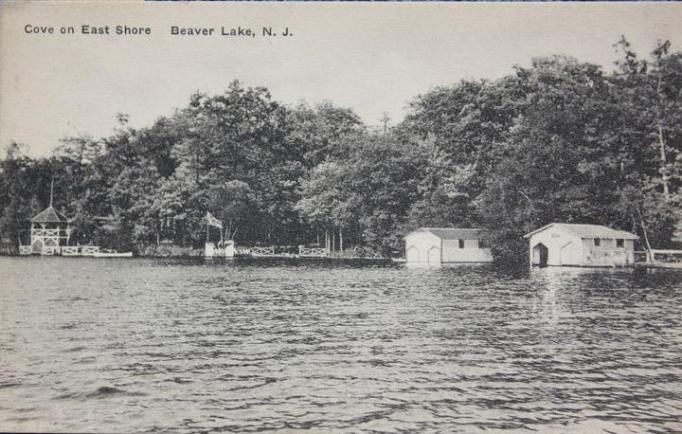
x=395, y=261
x=221, y=258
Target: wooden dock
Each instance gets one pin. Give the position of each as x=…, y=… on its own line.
x=660, y=258
x=280, y=252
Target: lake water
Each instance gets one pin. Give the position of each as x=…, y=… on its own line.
x=122, y=345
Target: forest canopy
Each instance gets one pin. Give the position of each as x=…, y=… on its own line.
x=559, y=140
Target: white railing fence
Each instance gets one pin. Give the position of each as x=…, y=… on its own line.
x=263, y=251
x=666, y=255
x=70, y=251
x=89, y=250
x=312, y=252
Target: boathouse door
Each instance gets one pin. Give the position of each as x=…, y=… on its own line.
x=540, y=255
x=413, y=255
x=434, y=255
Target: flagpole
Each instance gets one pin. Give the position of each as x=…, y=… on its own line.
x=207, y=227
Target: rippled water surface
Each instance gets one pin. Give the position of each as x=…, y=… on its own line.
x=146, y=345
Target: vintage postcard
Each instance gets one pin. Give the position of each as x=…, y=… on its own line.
x=340, y=217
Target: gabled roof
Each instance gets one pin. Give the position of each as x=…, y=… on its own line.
x=453, y=233
x=587, y=231
x=49, y=215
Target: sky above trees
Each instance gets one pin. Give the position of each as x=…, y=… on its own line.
x=373, y=58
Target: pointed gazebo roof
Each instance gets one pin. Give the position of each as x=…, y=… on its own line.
x=49, y=215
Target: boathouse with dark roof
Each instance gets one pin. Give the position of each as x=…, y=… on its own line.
x=438, y=246
x=582, y=245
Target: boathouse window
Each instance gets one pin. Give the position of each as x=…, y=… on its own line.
x=461, y=244
x=620, y=243
x=597, y=242
x=483, y=244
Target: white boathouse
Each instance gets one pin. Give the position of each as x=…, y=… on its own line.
x=582, y=245
x=437, y=246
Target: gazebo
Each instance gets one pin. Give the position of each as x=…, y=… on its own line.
x=49, y=230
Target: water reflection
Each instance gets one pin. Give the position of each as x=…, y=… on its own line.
x=287, y=346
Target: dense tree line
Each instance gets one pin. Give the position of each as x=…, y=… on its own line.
x=560, y=140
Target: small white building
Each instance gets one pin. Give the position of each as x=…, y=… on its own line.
x=223, y=250
x=50, y=230
x=437, y=246
x=563, y=244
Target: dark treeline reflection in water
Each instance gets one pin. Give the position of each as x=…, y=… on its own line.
x=144, y=345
